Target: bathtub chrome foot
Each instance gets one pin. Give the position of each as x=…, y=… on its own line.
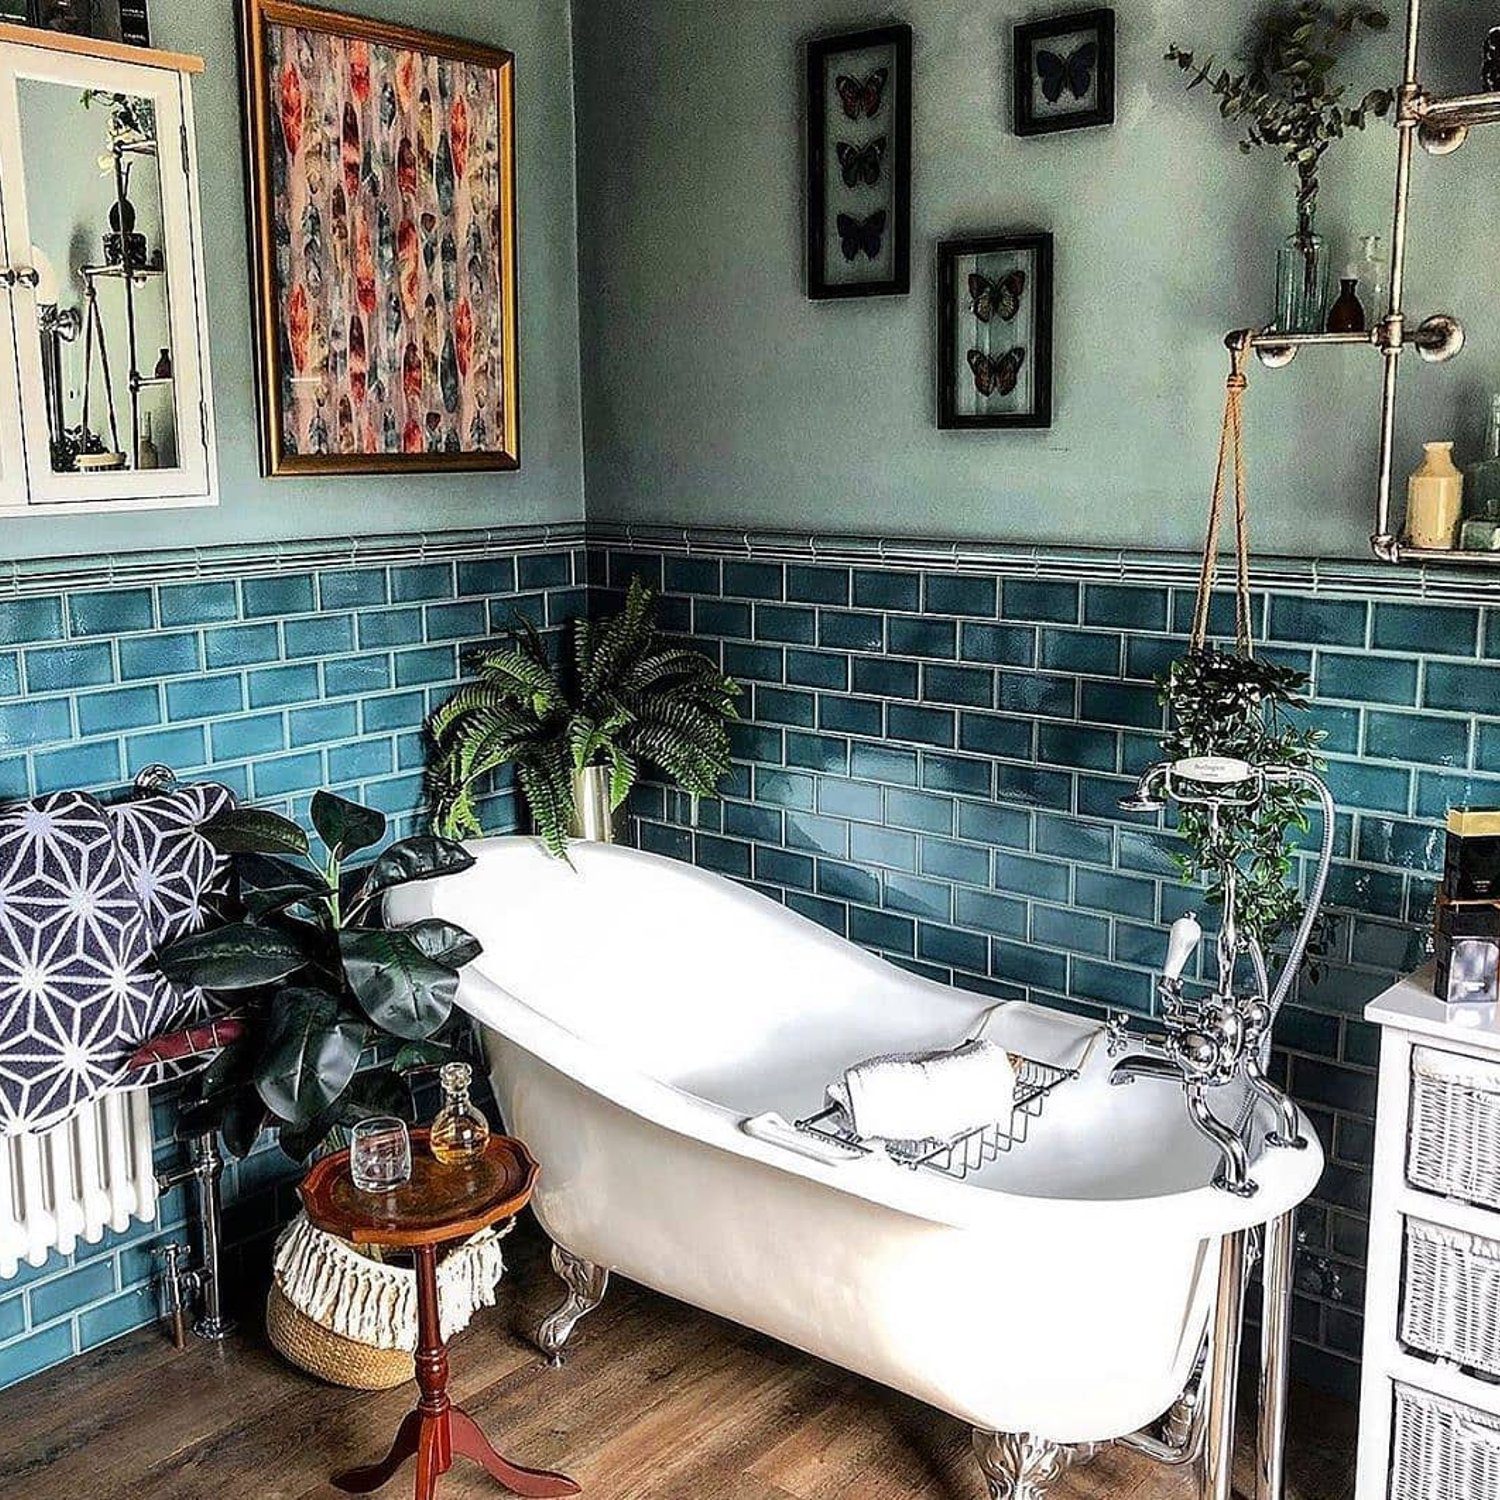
x=1022, y=1466
x=586, y=1284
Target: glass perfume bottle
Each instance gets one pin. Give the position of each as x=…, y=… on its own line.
x=460, y=1132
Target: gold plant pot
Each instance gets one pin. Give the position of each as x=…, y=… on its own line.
x=593, y=818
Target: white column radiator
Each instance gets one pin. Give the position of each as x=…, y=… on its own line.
x=91, y=1173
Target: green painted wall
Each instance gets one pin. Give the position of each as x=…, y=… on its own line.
x=550, y=484
x=715, y=392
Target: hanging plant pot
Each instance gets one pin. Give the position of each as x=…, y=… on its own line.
x=1224, y=703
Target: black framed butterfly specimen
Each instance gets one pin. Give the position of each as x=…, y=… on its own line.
x=859, y=163
x=1064, y=72
x=995, y=331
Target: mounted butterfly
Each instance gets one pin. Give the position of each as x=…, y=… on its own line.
x=995, y=331
x=859, y=164
x=1064, y=71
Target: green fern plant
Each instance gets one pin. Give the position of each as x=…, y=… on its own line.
x=624, y=697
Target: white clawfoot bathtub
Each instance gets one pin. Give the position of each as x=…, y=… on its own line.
x=637, y=1010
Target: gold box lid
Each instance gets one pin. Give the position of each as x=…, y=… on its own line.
x=1474, y=822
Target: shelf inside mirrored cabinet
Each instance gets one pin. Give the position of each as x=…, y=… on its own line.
x=117, y=272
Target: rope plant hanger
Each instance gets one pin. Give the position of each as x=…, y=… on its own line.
x=1231, y=457
x=1224, y=702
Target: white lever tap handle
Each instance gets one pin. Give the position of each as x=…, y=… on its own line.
x=1181, y=945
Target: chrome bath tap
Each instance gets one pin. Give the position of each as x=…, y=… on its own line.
x=1210, y=1041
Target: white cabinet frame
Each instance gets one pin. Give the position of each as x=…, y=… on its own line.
x=28, y=483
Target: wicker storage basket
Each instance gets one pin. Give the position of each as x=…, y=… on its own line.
x=1450, y=1304
x=329, y=1355
x=1454, y=1146
x=351, y=1320
x=1443, y=1451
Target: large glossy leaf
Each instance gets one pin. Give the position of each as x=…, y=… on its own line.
x=428, y=1054
x=270, y=884
x=374, y=1091
x=239, y=956
x=401, y=990
x=345, y=826
x=444, y=942
x=311, y=1052
x=253, y=830
x=244, y=1119
x=419, y=858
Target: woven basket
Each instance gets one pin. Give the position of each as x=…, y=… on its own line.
x=1450, y=1305
x=1443, y=1451
x=351, y=1320
x=329, y=1355
x=1454, y=1147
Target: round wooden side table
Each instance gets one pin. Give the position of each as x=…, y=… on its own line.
x=439, y=1204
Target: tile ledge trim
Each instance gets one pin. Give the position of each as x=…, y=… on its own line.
x=49, y=575
x=1322, y=576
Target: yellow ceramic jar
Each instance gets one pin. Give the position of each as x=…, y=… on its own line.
x=1434, y=499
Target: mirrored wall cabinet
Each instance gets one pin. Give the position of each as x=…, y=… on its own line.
x=104, y=384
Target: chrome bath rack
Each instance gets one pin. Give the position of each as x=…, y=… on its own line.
x=964, y=1153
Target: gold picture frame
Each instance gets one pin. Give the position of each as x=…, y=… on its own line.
x=383, y=262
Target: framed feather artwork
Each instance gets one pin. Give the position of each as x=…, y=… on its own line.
x=859, y=164
x=381, y=171
x=995, y=331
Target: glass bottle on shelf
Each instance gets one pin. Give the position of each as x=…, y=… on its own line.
x=1302, y=282
x=1371, y=271
x=164, y=365
x=460, y=1132
x=1347, y=315
x=1482, y=481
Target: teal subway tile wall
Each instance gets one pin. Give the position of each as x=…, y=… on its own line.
x=931, y=761
x=930, y=764
x=278, y=680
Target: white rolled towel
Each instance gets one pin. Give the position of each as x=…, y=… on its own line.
x=922, y=1096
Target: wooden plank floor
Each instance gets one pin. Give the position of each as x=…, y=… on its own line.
x=656, y=1400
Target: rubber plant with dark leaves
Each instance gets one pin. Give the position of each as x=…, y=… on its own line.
x=1242, y=707
x=311, y=964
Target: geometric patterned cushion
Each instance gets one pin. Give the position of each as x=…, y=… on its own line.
x=78, y=987
x=179, y=878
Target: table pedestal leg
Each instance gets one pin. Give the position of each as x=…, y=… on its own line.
x=437, y=1429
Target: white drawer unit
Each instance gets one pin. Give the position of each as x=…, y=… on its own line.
x=1430, y=1400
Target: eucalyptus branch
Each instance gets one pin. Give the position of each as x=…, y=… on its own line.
x=1286, y=97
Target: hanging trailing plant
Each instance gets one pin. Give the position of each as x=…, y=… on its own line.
x=1234, y=705
x=1287, y=98
x=623, y=697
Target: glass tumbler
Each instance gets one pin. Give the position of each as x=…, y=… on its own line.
x=380, y=1154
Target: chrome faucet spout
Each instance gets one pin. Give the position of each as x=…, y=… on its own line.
x=1150, y=789
x=1128, y=1069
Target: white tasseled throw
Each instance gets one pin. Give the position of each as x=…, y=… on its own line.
x=330, y=1282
